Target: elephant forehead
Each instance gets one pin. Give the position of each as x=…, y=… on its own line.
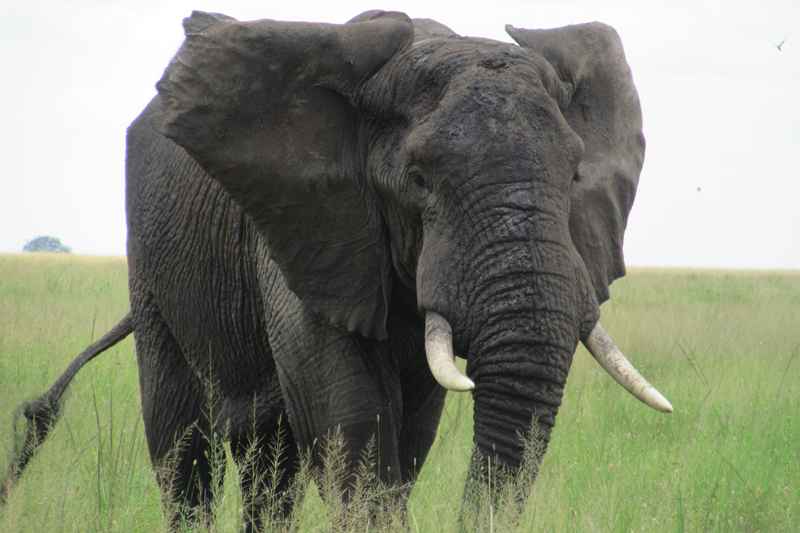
x=484, y=113
x=432, y=67
x=484, y=100
x=474, y=85
x=419, y=76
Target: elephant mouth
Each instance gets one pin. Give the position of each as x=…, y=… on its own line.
x=402, y=273
x=441, y=360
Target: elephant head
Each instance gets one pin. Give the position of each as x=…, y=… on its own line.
x=490, y=181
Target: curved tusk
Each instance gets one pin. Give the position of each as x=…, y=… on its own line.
x=439, y=349
x=611, y=359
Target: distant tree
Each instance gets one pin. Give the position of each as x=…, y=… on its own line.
x=46, y=244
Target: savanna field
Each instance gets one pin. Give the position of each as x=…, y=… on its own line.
x=722, y=346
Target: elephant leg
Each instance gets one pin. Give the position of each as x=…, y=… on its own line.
x=341, y=387
x=356, y=397
x=423, y=400
x=334, y=381
x=176, y=427
x=268, y=459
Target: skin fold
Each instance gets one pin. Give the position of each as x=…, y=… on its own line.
x=300, y=195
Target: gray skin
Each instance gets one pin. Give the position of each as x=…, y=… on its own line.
x=300, y=195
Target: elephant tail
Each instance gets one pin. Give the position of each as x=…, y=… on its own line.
x=42, y=413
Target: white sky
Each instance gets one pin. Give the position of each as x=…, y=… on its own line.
x=721, y=112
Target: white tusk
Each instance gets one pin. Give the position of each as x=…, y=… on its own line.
x=439, y=349
x=611, y=359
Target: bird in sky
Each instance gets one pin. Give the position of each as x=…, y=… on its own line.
x=778, y=46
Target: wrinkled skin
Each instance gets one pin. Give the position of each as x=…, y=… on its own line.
x=300, y=195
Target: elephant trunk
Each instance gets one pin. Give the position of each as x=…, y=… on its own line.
x=517, y=394
x=521, y=306
x=519, y=358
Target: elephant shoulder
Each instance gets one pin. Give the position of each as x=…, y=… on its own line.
x=154, y=106
x=141, y=137
x=161, y=178
x=148, y=153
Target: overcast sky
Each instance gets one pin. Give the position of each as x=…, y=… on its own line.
x=721, y=105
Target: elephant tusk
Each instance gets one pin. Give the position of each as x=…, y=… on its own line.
x=611, y=359
x=439, y=350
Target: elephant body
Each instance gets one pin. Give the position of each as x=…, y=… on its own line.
x=308, y=202
x=213, y=315
x=196, y=308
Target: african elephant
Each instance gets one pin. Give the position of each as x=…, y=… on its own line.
x=320, y=216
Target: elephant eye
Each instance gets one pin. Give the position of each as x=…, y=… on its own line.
x=418, y=179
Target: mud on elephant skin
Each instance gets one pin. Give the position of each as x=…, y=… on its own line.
x=320, y=216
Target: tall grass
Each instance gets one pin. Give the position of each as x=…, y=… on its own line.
x=722, y=346
x=93, y=473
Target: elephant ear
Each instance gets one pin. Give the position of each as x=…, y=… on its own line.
x=424, y=29
x=602, y=107
x=265, y=108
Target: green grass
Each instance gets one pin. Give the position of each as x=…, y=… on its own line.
x=722, y=346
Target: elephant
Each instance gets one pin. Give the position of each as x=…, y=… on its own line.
x=321, y=217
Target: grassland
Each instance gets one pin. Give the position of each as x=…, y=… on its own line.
x=722, y=346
